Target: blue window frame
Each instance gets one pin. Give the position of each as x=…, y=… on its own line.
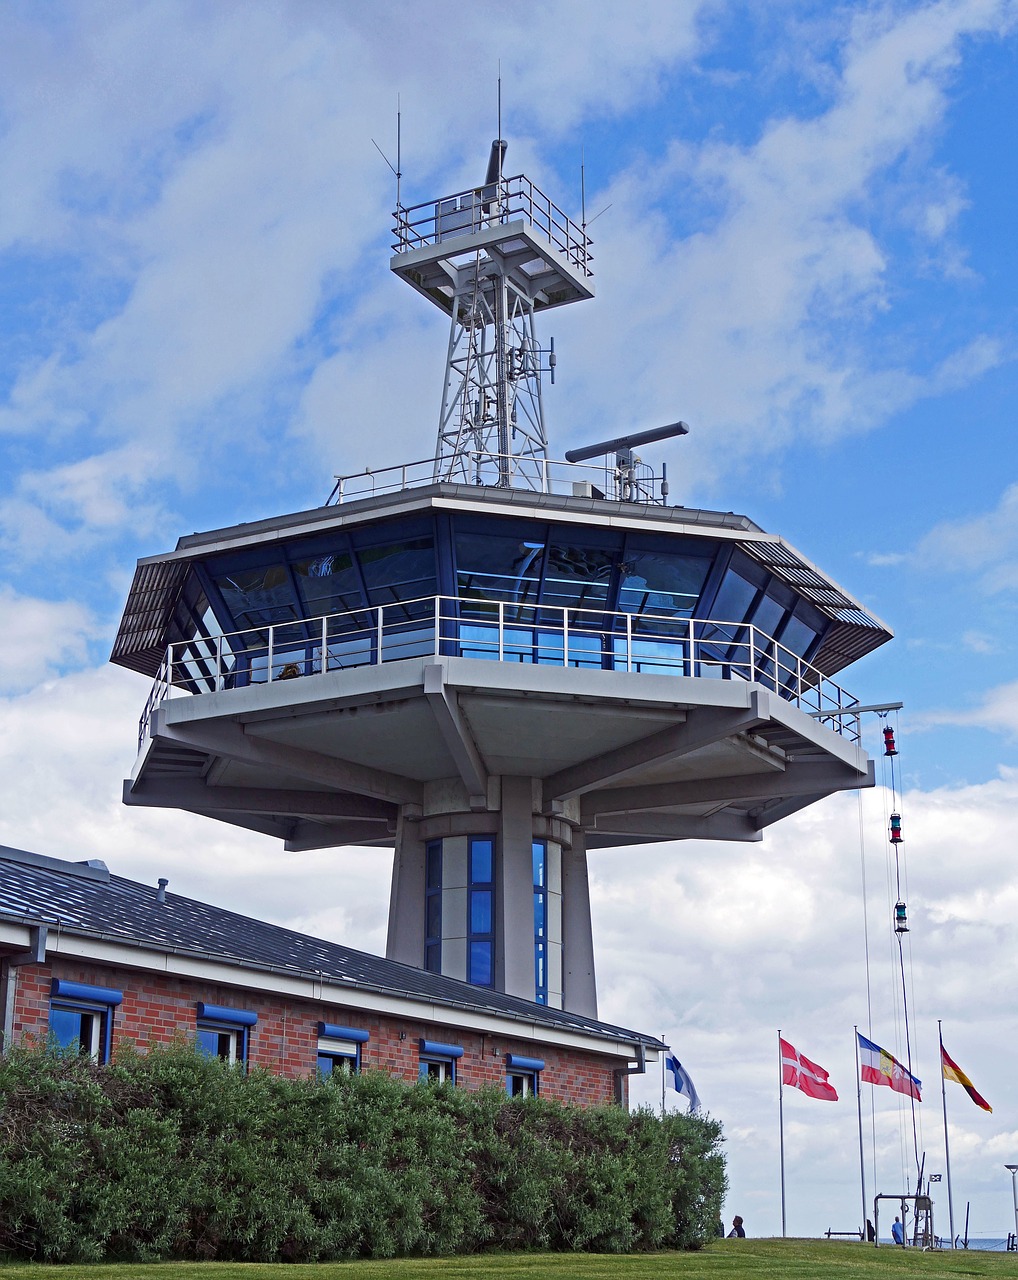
x=481, y=911
x=339, y=1049
x=81, y=1017
x=522, y=1075
x=438, y=1061
x=223, y=1032
x=433, y=906
x=540, y=854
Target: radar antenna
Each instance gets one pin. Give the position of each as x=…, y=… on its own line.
x=629, y=483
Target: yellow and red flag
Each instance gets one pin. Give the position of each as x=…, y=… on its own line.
x=953, y=1072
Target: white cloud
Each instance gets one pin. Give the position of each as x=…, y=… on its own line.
x=756, y=322
x=38, y=637
x=987, y=542
x=997, y=710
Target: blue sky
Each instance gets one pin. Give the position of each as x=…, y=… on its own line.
x=809, y=256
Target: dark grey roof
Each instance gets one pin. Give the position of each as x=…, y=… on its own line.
x=84, y=898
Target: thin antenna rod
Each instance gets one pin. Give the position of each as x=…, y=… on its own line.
x=583, y=193
x=399, y=150
x=500, y=116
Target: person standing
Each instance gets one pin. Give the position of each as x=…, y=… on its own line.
x=898, y=1232
x=737, y=1232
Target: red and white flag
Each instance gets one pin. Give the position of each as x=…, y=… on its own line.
x=799, y=1073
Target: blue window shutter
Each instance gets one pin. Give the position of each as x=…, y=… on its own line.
x=434, y=1049
x=221, y=1013
x=333, y=1032
x=64, y=990
x=514, y=1060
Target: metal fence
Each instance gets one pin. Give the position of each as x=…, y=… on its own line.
x=500, y=631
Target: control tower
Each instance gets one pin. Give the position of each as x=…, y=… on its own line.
x=491, y=662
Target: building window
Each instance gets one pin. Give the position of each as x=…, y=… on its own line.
x=522, y=1076
x=339, y=1049
x=540, y=850
x=81, y=1018
x=223, y=1032
x=433, y=906
x=480, y=912
x=438, y=1062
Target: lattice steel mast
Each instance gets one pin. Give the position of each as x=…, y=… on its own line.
x=491, y=257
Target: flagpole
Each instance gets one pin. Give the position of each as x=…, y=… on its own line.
x=781, y=1130
x=662, y=1077
x=947, y=1147
x=862, y=1157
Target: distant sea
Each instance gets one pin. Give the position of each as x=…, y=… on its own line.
x=992, y=1244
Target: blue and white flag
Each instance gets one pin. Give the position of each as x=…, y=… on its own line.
x=682, y=1082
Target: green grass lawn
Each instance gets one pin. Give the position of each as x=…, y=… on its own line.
x=774, y=1259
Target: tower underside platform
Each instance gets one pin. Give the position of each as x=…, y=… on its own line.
x=339, y=758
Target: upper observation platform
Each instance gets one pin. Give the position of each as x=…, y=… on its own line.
x=510, y=224
x=659, y=672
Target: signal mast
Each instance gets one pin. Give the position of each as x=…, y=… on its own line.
x=491, y=258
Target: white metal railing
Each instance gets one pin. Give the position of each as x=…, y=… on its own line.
x=541, y=475
x=477, y=208
x=502, y=631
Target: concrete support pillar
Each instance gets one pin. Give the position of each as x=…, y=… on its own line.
x=406, y=901
x=514, y=894
x=579, y=984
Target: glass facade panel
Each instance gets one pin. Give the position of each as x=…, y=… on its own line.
x=481, y=970
x=494, y=566
x=328, y=584
x=482, y=853
x=402, y=571
x=577, y=576
x=734, y=598
x=433, y=906
x=768, y=614
x=797, y=636
x=660, y=583
x=480, y=911
x=258, y=596
x=540, y=861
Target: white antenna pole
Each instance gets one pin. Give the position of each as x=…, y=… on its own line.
x=583, y=193
x=399, y=151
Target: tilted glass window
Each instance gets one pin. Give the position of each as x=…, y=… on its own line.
x=258, y=596
x=660, y=582
x=328, y=584
x=494, y=566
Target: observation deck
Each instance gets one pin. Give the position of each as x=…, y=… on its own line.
x=535, y=242
x=433, y=638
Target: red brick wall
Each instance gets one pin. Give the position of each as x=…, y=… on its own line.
x=159, y=1009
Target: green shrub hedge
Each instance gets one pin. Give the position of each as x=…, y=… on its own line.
x=174, y=1155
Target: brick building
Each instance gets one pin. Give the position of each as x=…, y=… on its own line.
x=88, y=957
